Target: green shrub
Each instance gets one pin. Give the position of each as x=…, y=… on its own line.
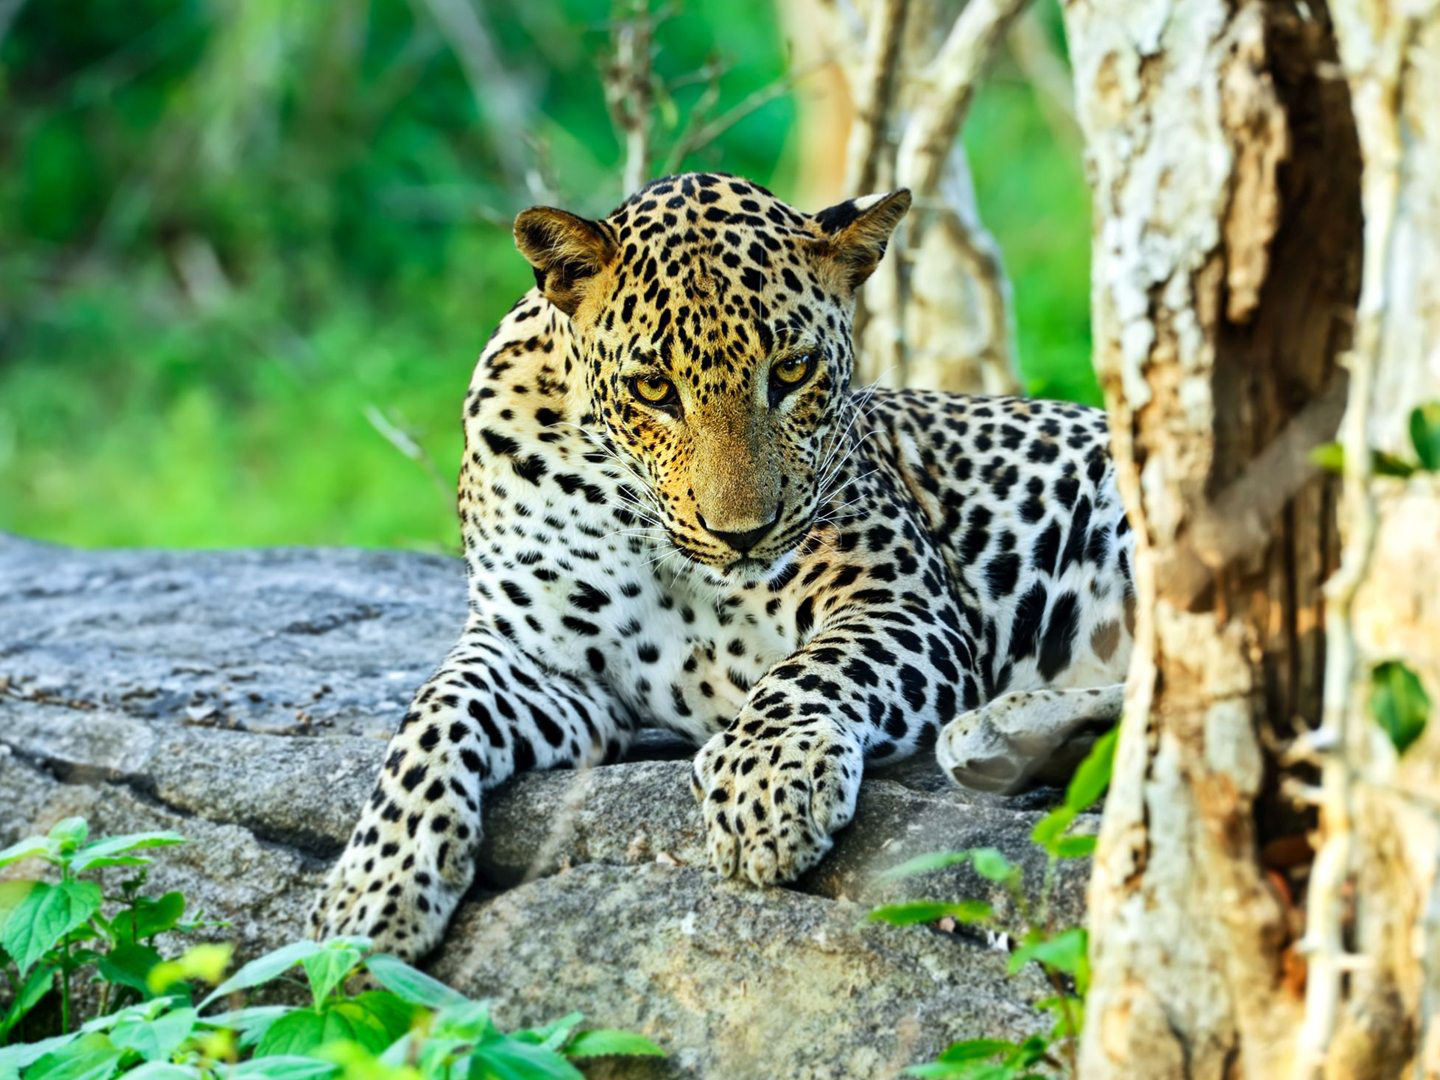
x=147, y=1023
x=1059, y=951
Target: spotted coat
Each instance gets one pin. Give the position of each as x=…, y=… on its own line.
x=676, y=511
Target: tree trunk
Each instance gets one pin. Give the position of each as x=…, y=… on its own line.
x=1226, y=236
x=1374, y=909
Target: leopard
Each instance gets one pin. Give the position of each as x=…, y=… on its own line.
x=677, y=512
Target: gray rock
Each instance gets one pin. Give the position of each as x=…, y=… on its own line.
x=243, y=699
x=740, y=982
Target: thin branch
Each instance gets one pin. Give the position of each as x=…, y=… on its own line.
x=681, y=147
x=981, y=254
x=629, y=88
x=874, y=88
x=406, y=444
x=951, y=78
x=713, y=129
x=1375, y=94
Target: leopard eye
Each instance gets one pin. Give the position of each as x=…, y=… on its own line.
x=653, y=390
x=789, y=373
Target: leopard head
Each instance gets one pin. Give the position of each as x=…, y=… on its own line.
x=712, y=325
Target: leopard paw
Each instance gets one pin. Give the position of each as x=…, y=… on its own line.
x=389, y=896
x=771, y=804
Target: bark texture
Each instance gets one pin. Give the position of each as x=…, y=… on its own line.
x=1225, y=174
x=1374, y=910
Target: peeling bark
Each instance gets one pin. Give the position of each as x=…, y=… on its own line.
x=1225, y=176
x=1374, y=910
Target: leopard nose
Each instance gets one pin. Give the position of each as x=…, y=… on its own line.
x=743, y=540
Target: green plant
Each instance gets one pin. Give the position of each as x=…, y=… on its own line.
x=1424, y=440
x=1060, y=952
x=149, y=1025
x=1398, y=703
x=51, y=931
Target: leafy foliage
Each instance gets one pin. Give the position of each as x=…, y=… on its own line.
x=1424, y=440
x=1399, y=703
x=149, y=1026
x=1060, y=952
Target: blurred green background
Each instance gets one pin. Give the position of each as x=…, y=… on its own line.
x=242, y=239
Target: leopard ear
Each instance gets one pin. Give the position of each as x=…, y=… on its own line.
x=565, y=250
x=856, y=231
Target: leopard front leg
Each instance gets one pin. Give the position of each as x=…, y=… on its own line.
x=488, y=712
x=784, y=777
x=770, y=799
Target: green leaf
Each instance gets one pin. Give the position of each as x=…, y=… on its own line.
x=413, y=986
x=45, y=916
x=91, y=1057
x=924, y=911
x=604, y=1042
x=468, y=1021
x=31, y=993
x=1052, y=826
x=146, y=917
x=32, y=847
x=89, y=857
x=251, y=1023
x=163, y=1070
x=1329, y=456
x=204, y=962
x=992, y=865
x=297, y=1032
x=328, y=969
x=511, y=1059
x=556, y=1033
x=357, y=1063
x=1399, y=703
x=1092, y=776
x=975, y=1050
x=12, y=895
x=1425, y=434
x=392, y=1013
x=355, y=1023
x=66, y=836
x=281, y=1067
x=23, y=1054
x=304, y=1030
x=1069, y=1014
x=1063, y=952
x=265, y=968
x=922, y=864
x=1073, y=847
x=155, y=1040
x=1389, y=465
x=129, y=965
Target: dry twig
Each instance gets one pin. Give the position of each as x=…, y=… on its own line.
x=629, y=87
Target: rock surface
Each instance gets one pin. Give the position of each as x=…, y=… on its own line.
x=244, y=699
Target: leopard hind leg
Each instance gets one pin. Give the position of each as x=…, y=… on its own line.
x=1026, y=737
